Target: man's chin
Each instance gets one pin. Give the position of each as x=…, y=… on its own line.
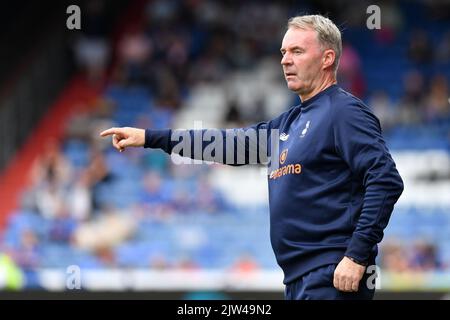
x=293, y=86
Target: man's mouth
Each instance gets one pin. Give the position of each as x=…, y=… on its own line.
x=289, y=74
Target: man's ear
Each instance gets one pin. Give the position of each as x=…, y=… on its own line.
x=328, y=58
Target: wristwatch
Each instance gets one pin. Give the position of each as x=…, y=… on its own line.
x=361, y=263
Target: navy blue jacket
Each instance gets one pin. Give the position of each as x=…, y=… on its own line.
x=335, y=184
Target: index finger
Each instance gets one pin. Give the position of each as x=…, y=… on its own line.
x=109, y=132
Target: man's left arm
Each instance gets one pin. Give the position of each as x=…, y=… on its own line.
x=359, y=141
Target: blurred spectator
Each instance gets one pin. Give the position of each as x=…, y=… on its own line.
x=424, y=257
x=51, y=166
x=11, y=277
x=259, y=111
x=384, y=109
x=420, y=256
x=437, y=102
x=49, y=199
x=27, y=254
x=413, y=85
x=208, y=69
x=155, y=161
x=109, y=229
x=420, y=49
x=159, y=262
x=233, y=116
x=394, y=257
x=245, y=263
x=161, y=11
x=98, y=174
x=392, y=22
x=350, y=76
x=207, y=198
x=106, y=255
x=134, y=51
x=411, y=104
x=186, y=263
x=62, y=226
x=92, y=56
x=166, y=87
x=92, y=49
x=80, y=200
x=86, y=120
x=155, y=199
x=182, y=201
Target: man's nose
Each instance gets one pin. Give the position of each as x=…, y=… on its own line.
x=286, y=59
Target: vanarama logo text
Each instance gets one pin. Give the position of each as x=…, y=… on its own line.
x=287, y=169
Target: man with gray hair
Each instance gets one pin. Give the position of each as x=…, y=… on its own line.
x=336, y=185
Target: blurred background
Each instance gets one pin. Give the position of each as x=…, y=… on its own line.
x=70, y=205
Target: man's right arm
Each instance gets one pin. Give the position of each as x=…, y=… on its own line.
x=229, y=146
x=249, y=145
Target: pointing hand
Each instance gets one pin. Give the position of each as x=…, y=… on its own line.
x=125, y=137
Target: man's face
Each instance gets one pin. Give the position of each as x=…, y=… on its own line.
x=302, y=59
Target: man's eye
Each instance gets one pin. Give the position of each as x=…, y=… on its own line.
x=298, y=51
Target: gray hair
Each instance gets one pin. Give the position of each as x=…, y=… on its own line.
x=328, y=33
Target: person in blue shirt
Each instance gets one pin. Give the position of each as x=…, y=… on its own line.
x=334, y=183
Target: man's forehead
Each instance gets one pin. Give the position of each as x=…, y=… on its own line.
x=299, y=37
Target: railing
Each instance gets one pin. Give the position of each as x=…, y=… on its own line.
x=25, y=100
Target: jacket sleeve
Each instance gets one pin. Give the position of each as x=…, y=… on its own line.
x=358, y=140
x=228, y=146
x=250, y=145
